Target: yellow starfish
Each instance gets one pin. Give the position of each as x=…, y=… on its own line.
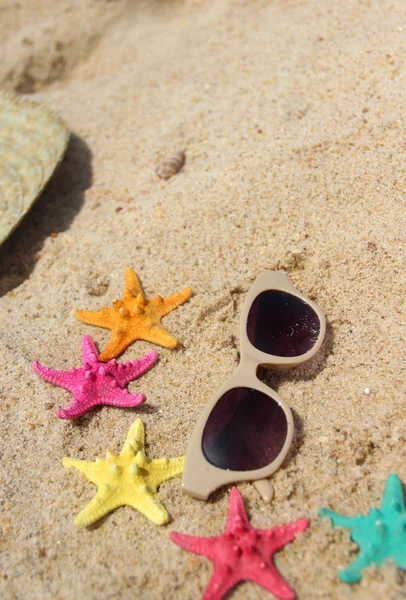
x=135, y=318
x=128, y=478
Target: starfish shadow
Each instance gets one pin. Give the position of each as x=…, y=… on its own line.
x=136, y=411
x=132, y=514
x=53, y=212
x=100, y=522
x=145, y=409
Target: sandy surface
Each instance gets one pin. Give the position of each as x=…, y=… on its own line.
x=292, y=115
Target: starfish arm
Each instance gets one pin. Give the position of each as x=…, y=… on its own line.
x=163, y=306
x=136, y=435
x=283, y=534
x=120, y=340
x=106, y=500
x=132, y=285
x=198, y=545
x=63, y=379
x=271, y=580
x=120, y=397
x=393, y=498
x=76, y=409
x=89, y=350
x=124, y=373
x=102, y=318
x=163, y=469
x=135, y=440
x=148, y=504
x=158, y=335
x=336, y=519
x=90, y=469
x=221, y=582
x=353, y=573
x=399, y=556
x=236, y=512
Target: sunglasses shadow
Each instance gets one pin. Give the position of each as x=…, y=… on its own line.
x=298, y=438
x=305, y=372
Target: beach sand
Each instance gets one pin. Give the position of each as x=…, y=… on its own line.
x=292, y=117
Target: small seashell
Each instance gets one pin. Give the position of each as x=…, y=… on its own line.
x=171, y=165
x=32, y=143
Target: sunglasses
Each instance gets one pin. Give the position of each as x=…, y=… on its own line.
x=246, y=429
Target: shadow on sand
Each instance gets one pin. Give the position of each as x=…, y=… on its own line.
x=54, y=211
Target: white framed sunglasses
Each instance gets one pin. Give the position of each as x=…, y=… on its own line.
x=245, y=431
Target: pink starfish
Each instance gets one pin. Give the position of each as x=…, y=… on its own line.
x=243, y=552
x=97, y=382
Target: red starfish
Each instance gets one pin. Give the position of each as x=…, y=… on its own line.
x=243, y=552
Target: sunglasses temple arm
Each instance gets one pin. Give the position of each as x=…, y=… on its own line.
x=265, y=488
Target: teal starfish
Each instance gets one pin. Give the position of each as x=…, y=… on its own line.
x=380, y=535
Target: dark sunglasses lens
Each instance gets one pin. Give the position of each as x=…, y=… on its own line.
x=246, y=430
x=282, y=324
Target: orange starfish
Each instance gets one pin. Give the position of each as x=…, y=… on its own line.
x=135, y=318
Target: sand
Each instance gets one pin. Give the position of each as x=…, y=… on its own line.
x=292, y=116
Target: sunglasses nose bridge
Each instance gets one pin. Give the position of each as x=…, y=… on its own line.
x=249, y=363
